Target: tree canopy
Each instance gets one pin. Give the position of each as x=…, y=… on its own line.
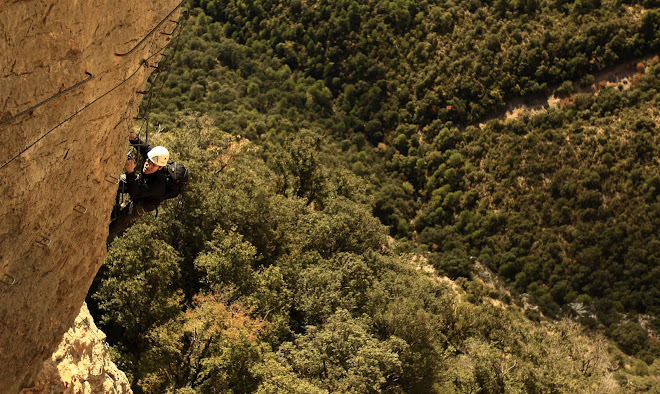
x=364, y=216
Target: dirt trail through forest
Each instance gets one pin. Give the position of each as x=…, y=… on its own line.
x=619, y=76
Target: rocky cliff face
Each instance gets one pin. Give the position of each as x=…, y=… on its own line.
x=81, y=364
x=69, y=76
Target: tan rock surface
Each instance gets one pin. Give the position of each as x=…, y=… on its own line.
x=56, y=159
x=81, y=363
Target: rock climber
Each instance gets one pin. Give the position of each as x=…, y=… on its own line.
x=146, y=190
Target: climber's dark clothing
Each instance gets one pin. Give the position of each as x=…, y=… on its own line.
x=146, y=192
x=124, y=217
x=148, y=189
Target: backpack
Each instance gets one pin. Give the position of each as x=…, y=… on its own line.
x=177, y=179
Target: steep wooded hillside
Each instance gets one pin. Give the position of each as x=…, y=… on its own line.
x=378, y=109
x=561, y=204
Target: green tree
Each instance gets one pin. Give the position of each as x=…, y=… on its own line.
x=139, y=290
x=297, y=162
x=342, y=356
x=211, y=348
x=630, y=336
x=228, y=261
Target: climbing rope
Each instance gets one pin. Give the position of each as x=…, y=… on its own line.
x=32, y=108
x=143, y=62
x=89, y=75
x=147, y=109
x=68, y=119
x=159, y=69
x=152, y=31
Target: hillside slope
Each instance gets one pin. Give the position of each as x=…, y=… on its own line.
x=307, y=125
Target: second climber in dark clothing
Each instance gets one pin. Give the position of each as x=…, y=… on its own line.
x=146, y=189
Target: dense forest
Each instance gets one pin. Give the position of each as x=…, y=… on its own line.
x=363, y=217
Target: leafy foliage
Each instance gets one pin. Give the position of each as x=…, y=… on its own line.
x=210, y=348
x=334, y=146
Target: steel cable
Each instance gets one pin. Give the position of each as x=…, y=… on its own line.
x=32, y=108
x=147, y=109
x=89, y=74
x=143, y=62
x=152, y=31
x=82, y=82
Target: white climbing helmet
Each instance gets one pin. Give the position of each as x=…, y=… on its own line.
x=159, y=155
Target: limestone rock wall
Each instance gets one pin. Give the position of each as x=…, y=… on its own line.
x=59, y=154
x=81, y=364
